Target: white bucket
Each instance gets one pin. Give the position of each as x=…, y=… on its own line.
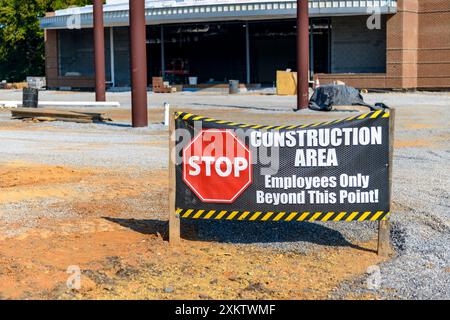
x=193, y=81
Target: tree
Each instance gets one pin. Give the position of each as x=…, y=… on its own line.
x=22, y=48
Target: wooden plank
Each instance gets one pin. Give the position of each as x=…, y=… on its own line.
x=71, y=120
x=47, y=113
x=60, y=115
x=384, y=241
x=60, y=111
x=45, y=119
x=384, y=227
x=174, y=219
x=49, y=119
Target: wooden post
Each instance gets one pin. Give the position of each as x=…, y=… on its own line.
x=384, y=246
x=174, y=219
x=384, y=227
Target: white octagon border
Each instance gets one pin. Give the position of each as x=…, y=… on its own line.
x=228, y=201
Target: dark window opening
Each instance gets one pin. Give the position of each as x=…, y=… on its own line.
x=321, y=38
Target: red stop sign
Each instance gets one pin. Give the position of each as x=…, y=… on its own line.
x=217, y=166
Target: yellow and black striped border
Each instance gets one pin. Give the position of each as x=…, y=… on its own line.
x=370, y=115
x=281, y=216
x=196, y=214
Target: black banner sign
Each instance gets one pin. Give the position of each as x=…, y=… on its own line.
x=331, y=171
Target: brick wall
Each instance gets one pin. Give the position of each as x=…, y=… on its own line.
x=402, y=44
x=433, y=69
x=356, y=49
x=418, y=49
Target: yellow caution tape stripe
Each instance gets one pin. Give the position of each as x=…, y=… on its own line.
x=370, y=115
x=282, y=216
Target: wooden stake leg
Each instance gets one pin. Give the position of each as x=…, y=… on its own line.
x=174, y=219
x=384, y=242
x=384, y=227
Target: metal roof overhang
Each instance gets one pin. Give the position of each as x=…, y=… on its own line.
x=225, y=12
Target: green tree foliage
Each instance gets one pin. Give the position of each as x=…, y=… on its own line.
x=22, y=48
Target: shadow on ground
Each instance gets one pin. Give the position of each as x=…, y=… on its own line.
x=115, y=124
x=243, y=232
x=240, y=107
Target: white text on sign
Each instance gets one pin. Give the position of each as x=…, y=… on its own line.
x=223, y=166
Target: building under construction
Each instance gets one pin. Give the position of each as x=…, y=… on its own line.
x=380, y=44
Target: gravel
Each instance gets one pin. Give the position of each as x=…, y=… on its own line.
x=421, y=212
x=250, y=100
x=421, y=227
x=111, y=146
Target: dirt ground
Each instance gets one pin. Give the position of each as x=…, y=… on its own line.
x=128, y=258
x=114, y=230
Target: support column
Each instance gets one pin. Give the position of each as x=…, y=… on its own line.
x=138, y=63
x=311, y=52
x=302, y=54
x=99, y=52
x=111, y=50
x=247, y=51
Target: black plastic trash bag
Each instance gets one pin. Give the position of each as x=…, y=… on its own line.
x=325, y=97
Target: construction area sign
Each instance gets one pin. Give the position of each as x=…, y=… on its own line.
x=331, y=171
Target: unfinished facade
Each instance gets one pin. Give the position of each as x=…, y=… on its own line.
x=403, y=44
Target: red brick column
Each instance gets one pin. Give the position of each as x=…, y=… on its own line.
x=51, y=57
x=402, y=45
x=433, y=70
